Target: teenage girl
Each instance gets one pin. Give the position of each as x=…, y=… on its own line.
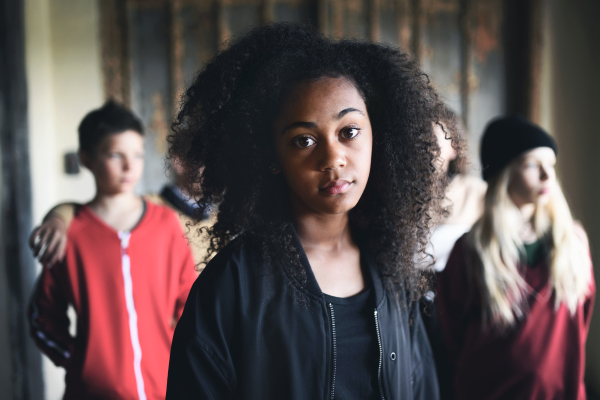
x=515, y=299
x=322, y=158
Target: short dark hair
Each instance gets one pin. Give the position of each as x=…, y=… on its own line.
x=107, y=120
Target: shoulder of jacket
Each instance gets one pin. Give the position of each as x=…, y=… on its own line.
x=235, y=252
x=163, y=212
x=155, y=198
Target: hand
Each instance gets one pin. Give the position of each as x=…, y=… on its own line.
x=49, y=240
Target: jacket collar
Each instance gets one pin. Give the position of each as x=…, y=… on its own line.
x=312, y=286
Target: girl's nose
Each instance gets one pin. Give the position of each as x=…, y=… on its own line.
x=332, y=156
x=543, y=173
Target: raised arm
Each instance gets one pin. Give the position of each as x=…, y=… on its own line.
x=49, y=240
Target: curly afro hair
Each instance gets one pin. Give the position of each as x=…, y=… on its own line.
x=223, y=139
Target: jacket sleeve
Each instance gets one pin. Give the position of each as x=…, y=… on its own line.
x=453, y=298
x=424, y=379
x=49, y=322
x=185, y=269
x=201, y=364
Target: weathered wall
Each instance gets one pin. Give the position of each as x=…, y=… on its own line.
x=459, y=43
x=64, y=83
x=570, y=106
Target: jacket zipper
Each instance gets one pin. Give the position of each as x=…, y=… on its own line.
x=379, y=372
x=132, y=314
x=334, y=348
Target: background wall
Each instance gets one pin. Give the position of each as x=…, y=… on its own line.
x=570, y=109
x=64, y=83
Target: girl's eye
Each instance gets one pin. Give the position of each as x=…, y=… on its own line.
x=350, y=133
x=304, y=141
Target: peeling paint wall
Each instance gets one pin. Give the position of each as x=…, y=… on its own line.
x=458, y=42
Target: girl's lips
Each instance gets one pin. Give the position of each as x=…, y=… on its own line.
x=336, y=187
x=545, y=191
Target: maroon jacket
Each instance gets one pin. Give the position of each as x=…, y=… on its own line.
x=543, y=357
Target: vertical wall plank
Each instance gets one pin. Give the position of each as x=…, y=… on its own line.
x=115, y=50
x=485, y=82
x=374, y=22
x=17, y=265
x=177, y=49
x=302, y=11
x=535, y=70
x=151, y=84
x=465, y=58
x=222, y=28
x=440, y=53
x=389, y=22
x=323, y=16
x=404, y=24
x=523, y=56
x=337, y=15
x=267, y=11
x=418, y=20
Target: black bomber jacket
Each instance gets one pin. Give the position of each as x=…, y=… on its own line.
x=244, y=335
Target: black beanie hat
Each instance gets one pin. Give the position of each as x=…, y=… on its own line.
x=507, y=138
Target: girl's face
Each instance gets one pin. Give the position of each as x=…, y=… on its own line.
x=323, y=143
x=118, y=163
x=533, y=177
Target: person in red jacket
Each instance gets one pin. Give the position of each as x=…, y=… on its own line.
x=127, y=273
x=516, y=297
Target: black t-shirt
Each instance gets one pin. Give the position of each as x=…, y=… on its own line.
x=357, y=348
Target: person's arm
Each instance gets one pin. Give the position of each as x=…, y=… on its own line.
x=425, y=383
x=588, y=305
x=452, y=298
x=48, y=319
x=49, y=240
x=186, y=271
x=201, y=362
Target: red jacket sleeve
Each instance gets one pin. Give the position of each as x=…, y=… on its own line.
x=453, y=299
x=186, y=270
x=48, y=317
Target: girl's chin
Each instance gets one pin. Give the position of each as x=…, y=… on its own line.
x=543, y=199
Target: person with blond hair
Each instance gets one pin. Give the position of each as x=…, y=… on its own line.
x=517, y=293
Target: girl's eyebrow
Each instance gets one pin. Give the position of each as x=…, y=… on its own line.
x=348, y=110
x=312, y=125
x=299, y=124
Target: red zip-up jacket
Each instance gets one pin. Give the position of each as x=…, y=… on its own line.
x=127, y=289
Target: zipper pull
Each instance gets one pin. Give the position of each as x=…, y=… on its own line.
x=124, y=237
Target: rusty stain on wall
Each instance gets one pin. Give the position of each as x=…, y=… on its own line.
x=404, y=23
x=338, y=18
x=116, y=70
x=485, y=34
x=159, y=123
x=177, y=45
